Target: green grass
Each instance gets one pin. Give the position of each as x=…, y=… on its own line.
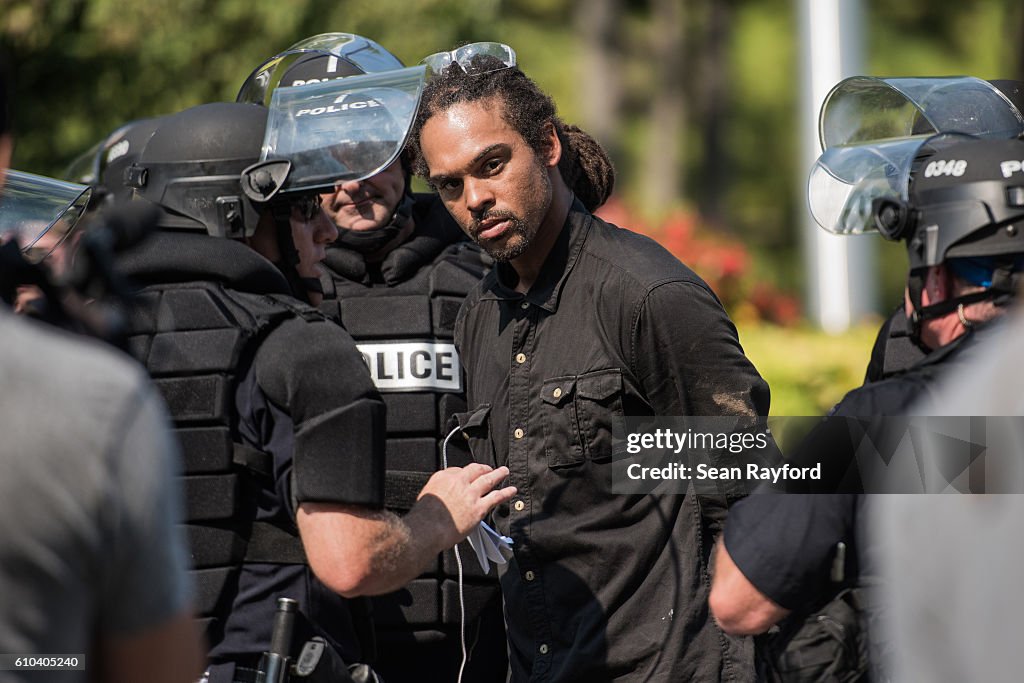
x=808, y=370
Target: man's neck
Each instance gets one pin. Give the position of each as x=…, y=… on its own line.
x=528, y=265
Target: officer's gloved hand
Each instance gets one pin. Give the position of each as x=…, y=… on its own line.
x=489, y=546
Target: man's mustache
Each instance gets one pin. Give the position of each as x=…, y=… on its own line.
x=495, y=215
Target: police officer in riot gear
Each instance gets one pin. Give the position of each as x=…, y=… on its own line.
x=279, y=421
x=918, y=106
x=76, y=248
x=395, y=278
x=957, y=204
x=90, y=561
x=957, y=210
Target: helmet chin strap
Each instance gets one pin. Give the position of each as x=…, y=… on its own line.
x=289, y=261
x=371, y=241
x=1004, y=285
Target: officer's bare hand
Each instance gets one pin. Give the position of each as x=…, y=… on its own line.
x=458, y=498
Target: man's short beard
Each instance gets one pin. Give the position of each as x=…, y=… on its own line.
x=510, y=249
x=517, y=226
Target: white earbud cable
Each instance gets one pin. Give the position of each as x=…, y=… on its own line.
x=458, y=563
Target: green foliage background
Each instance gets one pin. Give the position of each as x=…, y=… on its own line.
x=808, y=371
x=84, y=67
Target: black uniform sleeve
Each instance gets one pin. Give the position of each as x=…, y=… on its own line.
x=687, y=355
x=314, y=373
x=785, y=544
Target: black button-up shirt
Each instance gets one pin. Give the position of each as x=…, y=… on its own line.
x=602, y=586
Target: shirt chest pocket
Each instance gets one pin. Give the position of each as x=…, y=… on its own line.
x=577, y=414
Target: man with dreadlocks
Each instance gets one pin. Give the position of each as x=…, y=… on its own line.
x=579, y=322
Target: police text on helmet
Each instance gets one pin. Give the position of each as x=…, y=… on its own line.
x=117, y=151
x=299, y=81
x=1010, y=167
x=337, y=107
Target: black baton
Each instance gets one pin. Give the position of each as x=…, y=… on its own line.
x=274, y=664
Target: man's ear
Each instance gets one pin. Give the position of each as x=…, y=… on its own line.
x=938, y=285
x=264, y=237
x=553, y=145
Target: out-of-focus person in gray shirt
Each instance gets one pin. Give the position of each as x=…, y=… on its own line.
x=91, y=564
x=952, y=563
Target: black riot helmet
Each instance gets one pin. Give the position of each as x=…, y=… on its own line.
x=966, y=200
x=194, y=168
x=103, y=165
x=216, y=168
x=191, y=168
x=327, y=57
x=120, y=150
x=964, y=207
x=932, y=162
x=322, y=57
x=950, y=198
x=353, y=129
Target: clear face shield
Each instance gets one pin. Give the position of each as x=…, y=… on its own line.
x=85, y=168
x=864, y=109
x=333, y=131
x=39, y=212
x=847, y=183
x=873, y=129
x=358, y=53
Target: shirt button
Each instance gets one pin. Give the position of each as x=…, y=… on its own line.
x=519, y=433
x=557, y=392
x=520, y=357
x=519, y=505
x=530, y=576
x=524, y=305
x=543, y=648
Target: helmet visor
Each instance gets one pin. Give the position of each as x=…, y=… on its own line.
x=361, y=53
x=864, y=109
x=85, y=168
x=846, y=180
x=347, y=129
x=39, y=212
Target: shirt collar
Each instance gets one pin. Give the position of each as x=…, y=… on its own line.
x=547, y=290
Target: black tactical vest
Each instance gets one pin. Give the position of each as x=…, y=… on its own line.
x=404, y=329
x=196, y=339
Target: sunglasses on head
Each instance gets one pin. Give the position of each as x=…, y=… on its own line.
x=474, y=59
x=308, y=205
